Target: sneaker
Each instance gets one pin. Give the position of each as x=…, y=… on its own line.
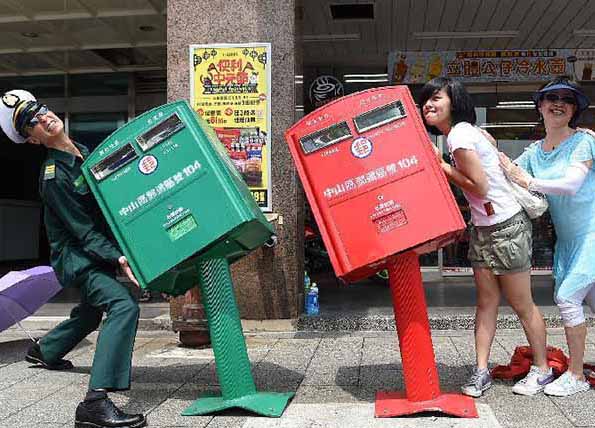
x=479, y=381
x=566, y=385
x=534, y=382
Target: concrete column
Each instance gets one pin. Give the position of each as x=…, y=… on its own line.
x=268, y=281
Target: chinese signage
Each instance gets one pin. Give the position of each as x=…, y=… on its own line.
x=481, y=66
x=402, y=167
x=165, y=186
x=230, y=89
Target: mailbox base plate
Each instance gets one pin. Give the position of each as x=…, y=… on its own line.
x=270, y=404
x=391, y=404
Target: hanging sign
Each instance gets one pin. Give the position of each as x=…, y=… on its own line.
x=480, y=66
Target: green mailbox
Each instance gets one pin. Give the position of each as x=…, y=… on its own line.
x=181, y=213
x=170, y=195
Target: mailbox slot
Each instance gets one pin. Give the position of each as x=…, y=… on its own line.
x=160, y=132
x=114, y=162
x=380, y=116
x=325, y=137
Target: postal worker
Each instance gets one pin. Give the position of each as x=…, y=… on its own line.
x=84, y=256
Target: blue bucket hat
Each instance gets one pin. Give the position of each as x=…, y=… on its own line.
x=582, y=101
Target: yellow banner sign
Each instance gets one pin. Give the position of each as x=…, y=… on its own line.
x=230, y=89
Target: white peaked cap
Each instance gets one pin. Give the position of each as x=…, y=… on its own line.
x=10, y=101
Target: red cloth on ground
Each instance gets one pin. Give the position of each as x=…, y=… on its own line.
x=522, y=358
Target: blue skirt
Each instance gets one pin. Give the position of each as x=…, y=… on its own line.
x=574, y=266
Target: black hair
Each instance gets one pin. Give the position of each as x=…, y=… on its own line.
x=566, y=80
x=462, y=108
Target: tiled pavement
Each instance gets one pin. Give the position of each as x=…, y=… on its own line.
x=335, y=376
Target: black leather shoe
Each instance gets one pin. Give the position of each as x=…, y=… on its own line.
x=34, y=357
x=103, y=413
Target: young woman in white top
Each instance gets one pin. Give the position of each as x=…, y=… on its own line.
x=500, y=234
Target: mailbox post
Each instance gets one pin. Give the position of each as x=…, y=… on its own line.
x=181, y=214
x=380, y=199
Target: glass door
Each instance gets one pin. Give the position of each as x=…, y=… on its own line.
x=430, y=262
x=91, y=129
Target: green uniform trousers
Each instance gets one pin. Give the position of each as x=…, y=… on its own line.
x=100, y=292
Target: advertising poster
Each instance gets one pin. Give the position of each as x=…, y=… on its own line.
x=482, y=66
x=583, y=67
x=230, y=87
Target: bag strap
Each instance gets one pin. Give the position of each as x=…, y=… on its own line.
x=488, y=136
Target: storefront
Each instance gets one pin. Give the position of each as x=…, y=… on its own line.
x=502, y=83
x=92, y=106
x=101, y=63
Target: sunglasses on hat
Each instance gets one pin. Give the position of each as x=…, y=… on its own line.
x=28, y=116
x=568, y=99
x=34, y=120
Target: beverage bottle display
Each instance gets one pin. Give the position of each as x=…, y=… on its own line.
x=254, y=152
x=307, y=283
x=253, y=168
x=312, y=306
x=238, y=157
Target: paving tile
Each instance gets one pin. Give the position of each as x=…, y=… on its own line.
x=361, y=415
x=519, y=411
x=579, y=409
x=335, y=377
x=332, y=375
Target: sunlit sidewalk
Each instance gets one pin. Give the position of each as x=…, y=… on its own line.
x=335, y=376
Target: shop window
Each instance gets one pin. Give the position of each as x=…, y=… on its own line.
x=98, y=84
x=41, y=86
x=21, y=163
x=91, y=129
x=352, y=11
x=454, y=256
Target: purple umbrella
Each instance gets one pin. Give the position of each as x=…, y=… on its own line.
x=24, y=292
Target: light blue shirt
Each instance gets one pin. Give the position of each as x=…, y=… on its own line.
x=572, y=215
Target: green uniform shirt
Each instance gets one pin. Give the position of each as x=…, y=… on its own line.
x=76, y=229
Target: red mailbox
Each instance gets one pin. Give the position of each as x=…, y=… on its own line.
x=380, y=198
x=373, y=181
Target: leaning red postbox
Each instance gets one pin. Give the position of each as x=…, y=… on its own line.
x=373, y=181
x=380, y=199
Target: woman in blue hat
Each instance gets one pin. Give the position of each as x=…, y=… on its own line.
x=561, y=166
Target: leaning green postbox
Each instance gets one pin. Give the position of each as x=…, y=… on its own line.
x=181, y=214
x=170, y=194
